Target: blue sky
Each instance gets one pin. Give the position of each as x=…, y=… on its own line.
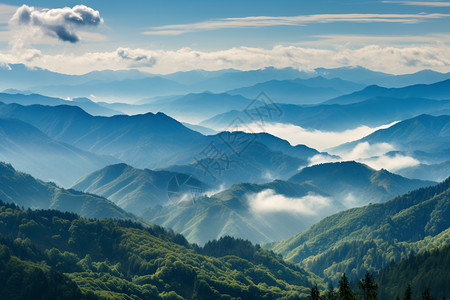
x=167, y=36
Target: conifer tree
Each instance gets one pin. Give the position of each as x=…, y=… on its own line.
x=369, y=287
x=345, y=292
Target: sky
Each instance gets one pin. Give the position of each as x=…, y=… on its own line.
x=168, y=36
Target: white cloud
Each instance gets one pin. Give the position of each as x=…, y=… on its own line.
x=264, y=21
x=396, y=60
x=375, y=156
x=6, y=11
x=268, y=201
x=316, y=139
x=60, y=23
x=395, y=163
x=422, y=3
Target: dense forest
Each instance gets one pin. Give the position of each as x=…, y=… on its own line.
x=76, y=257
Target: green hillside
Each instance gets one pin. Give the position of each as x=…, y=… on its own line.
x=123, y=260
x=26, y=191
x=370, y=237
x=427, y=270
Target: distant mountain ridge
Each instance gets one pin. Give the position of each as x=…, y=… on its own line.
x=334, y=117
x=438, y=91
x=299, y=91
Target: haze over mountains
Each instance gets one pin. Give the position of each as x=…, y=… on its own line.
x=253, y=144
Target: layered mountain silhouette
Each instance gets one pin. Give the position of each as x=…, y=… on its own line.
x=334, y=117
x=30, y=150
x=158, y=141
x=299, y=91
x=439, y=90
x=84, y=103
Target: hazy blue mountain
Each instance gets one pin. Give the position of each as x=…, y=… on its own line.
x=132, y=189
x=370, y=237
x=24, y=190
x=158, y=141
x=334, y=117
x=19, y=76
x=84, y=103
x=354, y=74
x=235, y=79
x=355, y=184
x=223, y=167
x=202, y=129
x=435, y=172
x=114, y=90
x=232, y=213
x=439, y=91
x=421, y=77
x=428, y=136
x=299, y=91
x=30, y=150
x=199, y=107
x=160, y=138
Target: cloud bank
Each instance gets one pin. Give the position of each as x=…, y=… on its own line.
x=316, y=139
x=374, y=155
x=268, y=201
x=394, y=60
x=60, y=23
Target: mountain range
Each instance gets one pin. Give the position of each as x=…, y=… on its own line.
x=269, y=211
x=334, y=117
x=438, y=91
x=299, y=91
